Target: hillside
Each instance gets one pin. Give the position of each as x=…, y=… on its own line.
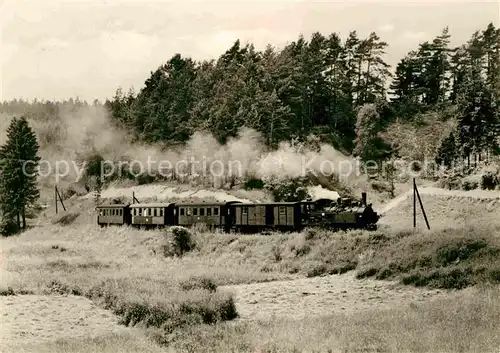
x=321, y=117
x=279, y=283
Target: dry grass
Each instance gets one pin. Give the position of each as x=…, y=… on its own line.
x=125, y=270
x=32, y=319
x=318, y=297
x=444, y=209
x=468, y=321
x=465, y=322
x=450, y=258
x=111, y=343
x=116, y=271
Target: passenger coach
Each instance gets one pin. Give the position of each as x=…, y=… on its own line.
x=152, y=214
x=117, y=214
x=213, y=214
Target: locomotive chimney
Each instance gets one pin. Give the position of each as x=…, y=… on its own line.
x=363, y=196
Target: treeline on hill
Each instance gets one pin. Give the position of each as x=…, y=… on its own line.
x=341, y=91
x=319, y=87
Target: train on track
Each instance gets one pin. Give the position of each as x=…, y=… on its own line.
x=235, y=216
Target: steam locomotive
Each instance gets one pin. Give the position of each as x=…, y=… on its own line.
x=235, y=216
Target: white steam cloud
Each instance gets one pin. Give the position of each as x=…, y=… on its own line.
x=206, y=162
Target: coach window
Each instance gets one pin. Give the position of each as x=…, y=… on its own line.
x=202, y=211
x=195, y=211
x=209, y=211
x=245, y=210
x=282, y=209
x=216, y=211
x=155, y=212
x=161, y=212
x=188, y=211
x=182, y=212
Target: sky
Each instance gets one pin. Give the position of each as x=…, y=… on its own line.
x=57, y=49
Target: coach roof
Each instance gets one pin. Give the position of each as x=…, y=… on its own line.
x=204, y=203
x=150, y=205
x=271, y=203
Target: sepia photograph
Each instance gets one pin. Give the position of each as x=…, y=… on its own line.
x=249, y=176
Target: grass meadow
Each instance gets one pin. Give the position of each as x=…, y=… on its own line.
x=176, y=303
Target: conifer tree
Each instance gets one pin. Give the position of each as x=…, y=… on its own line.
x=448, y=151
x=18, y=185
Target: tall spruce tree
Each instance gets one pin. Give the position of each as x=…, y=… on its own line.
x=18, y=185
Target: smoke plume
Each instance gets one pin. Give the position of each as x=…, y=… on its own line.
x=88, y=130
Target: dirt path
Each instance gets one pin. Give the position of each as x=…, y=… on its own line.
x=35, y=318
x=311, y=297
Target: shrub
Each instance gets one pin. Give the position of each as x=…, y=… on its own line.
x=311, y=234
x=316, y=270
x=8, y=227
x=462, y=250
x=254, y=184
x=143, y=179
x=181, y=242
x=489, y=181
x=165, y=314
x=288, y=189
x=198, y=283
x=469, y=185
x=66, y=194
x=7, y=292
x=66, y=218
